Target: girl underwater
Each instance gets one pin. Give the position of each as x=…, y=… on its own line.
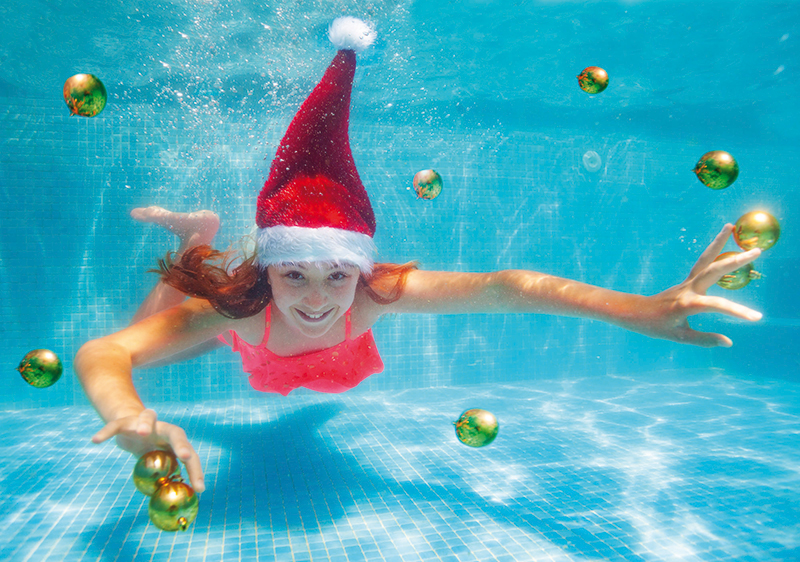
x=300, y=310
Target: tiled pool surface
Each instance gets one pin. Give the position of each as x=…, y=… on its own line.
x=664, y=466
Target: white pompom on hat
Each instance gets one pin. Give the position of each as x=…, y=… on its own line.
x=313, y=206
x=352, y=34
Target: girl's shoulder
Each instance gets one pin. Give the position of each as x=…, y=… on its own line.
x=251, y=329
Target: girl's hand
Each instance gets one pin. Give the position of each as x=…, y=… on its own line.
x=140, y=434
x=666, y=315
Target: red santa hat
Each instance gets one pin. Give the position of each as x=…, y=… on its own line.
x=313, y=206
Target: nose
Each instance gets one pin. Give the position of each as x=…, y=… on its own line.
x=315, y=298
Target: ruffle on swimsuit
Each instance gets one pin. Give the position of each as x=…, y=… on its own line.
x=333, y=370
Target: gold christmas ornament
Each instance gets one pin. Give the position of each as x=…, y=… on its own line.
x=717, y=169
x=428, y=184
x=40, y=368
x=476, y=427
x=173, y=507
x=756, y=229
x=593, y=80
x=739, y=278
x=85, y=95
x=154, y=469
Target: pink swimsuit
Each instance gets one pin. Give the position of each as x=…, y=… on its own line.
x=335, y=369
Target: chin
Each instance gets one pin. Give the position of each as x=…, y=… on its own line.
x=311, y=332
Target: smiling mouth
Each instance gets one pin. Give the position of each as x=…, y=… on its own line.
x=319, y=317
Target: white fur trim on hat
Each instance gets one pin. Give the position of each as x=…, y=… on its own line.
x=281, y=244
x=351, y=33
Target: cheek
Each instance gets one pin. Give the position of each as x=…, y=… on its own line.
x=283, y=293
x=346, y=293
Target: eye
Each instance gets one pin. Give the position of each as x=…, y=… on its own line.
x=338, y=276
x=294, y=276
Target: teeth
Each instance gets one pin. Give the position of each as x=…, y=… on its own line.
x=316, y=316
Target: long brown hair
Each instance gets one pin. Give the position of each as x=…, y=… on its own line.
x=244, y=290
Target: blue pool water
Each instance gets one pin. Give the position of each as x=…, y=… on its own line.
x=689, y=466
x=612, y=446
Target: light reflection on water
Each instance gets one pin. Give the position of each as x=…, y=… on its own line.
x=662, y=466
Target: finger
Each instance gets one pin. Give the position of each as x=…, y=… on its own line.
x=724, y=306
x=108, y=431
x=716, y=270
x=186, y=453
x=147, y=422
x=195, y=472
x=177, y=440
x=705, y=339
x=713, y=250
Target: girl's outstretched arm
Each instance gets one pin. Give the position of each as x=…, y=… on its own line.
x=104, y=368
x=661, y=316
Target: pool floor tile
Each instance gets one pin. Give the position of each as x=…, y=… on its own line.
x=380, y=476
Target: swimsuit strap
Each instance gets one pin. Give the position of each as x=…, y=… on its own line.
x=267, y=324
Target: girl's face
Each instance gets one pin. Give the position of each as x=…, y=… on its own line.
x=312, y=296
